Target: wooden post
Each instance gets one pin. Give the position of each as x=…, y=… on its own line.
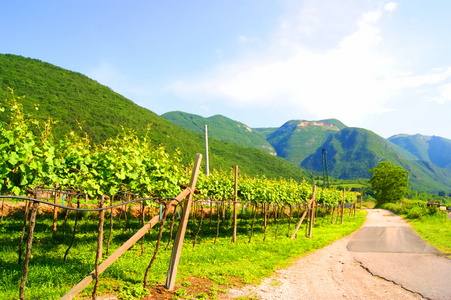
x=55, y=213
x=312, y=215
x=343, y=206
x=235, y=204
x=355, y=203
x=107, y=262
x=207, y=164
x=361, y=198
x=178, y=242
x=302, y=218
x=34, y=210
x=112, y=258
x=99, y=248
x=101, y=221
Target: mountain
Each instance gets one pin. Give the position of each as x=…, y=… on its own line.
x=69, y=97
x=433, y=149
x=297, y=139
x=351, y=152
x=221, y=128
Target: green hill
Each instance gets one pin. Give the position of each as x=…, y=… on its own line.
x=351, y=152
x=434, y=149
x=221, y=128
x=297, y=139
x=69, y=97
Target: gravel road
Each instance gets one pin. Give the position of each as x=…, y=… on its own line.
x=402, y=264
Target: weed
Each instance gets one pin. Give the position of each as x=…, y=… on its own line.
x=132, y=292
x=180, y=292
x=186, y=283
x=202, y=296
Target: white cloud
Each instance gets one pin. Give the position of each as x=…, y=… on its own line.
x=444, y=94
x=351, y=80
x=328, y=83
x=391, y=7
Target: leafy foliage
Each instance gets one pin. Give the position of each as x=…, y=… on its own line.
x=221, y=128
x=295, y=142
x=353, y=151
x=25, y=158
x=432, y=149
x=389, y=183
x=127, y=162
x=74, y=100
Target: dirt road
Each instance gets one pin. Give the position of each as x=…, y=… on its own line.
x=343, y=270
x=389, y=248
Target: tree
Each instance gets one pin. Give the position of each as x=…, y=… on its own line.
x=389, y=183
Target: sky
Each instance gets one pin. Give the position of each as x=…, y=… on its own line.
x=380, y=65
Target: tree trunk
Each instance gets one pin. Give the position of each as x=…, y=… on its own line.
x=99, y=249
x=25, y=220
x=28, y=253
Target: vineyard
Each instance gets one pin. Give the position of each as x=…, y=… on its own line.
x=58, y=198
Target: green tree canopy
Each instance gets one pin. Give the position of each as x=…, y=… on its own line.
x=389, y=183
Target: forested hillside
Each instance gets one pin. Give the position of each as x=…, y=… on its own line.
x=433, y=149
x=297, y=139
x=72, y=98
x=83, y=105
x=353, y=151
x=221, y=128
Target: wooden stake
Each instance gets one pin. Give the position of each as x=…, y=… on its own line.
x=112, y=258
x=343, y=206
x=55, y=213
x=302, y=218
x=235, y=204
x=99, y=248
x=312, y=215
x=178, y=242
x=27, y=209
x=361, y=198
x=28, y=253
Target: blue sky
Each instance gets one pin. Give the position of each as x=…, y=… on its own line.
x=381, y=65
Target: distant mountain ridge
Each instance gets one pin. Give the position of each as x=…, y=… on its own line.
x=351, y=152
x=221, y=128
x=70, y=97
x=297, y=139
x=433, y=149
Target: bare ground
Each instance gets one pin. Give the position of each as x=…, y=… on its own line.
x=328, y=273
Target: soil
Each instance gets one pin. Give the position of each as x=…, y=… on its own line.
x=328, y=273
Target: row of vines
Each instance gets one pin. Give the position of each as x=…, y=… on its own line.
x=30, y=159
x=130, y=165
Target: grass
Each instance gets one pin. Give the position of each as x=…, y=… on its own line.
x=368, y=204
x=223, y=264
x=436, y=230
x=432, y=225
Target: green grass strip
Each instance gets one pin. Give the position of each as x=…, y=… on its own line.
x=435, y=229
x=50, y=278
